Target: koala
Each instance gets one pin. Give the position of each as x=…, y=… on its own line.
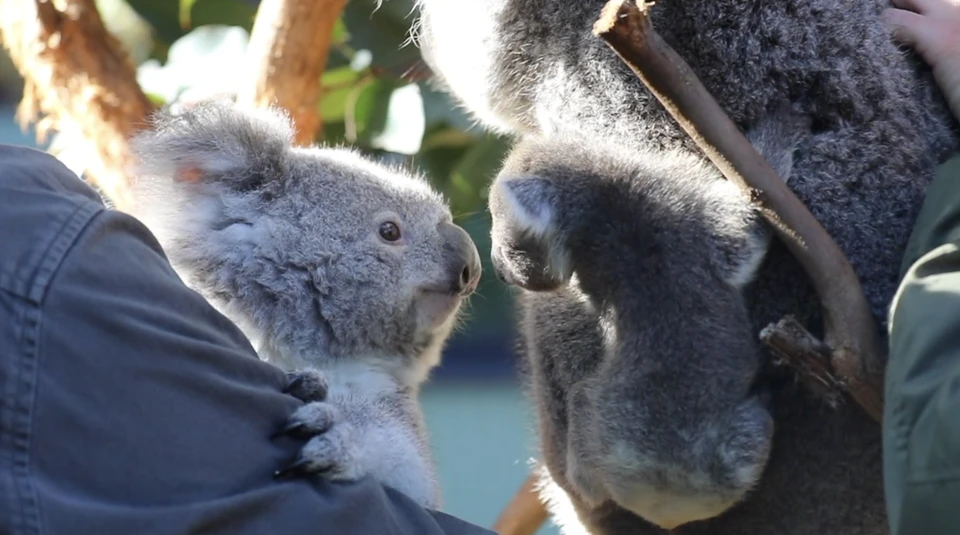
x=346, y=273
x=663, y=416
x=878, y=127
x=879, y=123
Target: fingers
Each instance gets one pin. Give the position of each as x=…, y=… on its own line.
x=933, y=8
x=908, y=28
x=931, y=37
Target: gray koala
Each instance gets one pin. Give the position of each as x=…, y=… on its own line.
x=879, y=125
x=630, y=264
x=607, y=356
x=346, y=273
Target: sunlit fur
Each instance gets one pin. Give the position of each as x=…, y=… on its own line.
x=878, y=129
x=284, y=241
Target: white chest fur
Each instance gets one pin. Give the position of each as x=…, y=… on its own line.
x=390, y=442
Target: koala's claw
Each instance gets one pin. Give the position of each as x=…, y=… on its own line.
x=330, y=452
x=307, y=385
x=299, y=467
x=295, y=430
x=330, y=455
x=312, y=419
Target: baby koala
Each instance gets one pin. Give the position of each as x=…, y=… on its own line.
x=345, y=273
x=636, y=333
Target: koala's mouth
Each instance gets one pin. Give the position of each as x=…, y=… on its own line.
x=435, y=305
x=460, y=290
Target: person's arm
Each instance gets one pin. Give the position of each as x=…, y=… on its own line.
x=129, y=405
x=921, y=426
x=921, y=431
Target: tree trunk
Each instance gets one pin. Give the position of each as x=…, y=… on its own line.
x=77, y=78
x=288, y=49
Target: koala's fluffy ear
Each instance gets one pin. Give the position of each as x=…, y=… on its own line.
x=215, y=141
x=527, y=245
x=776, y=136
x=531, y=203
x=201, y=179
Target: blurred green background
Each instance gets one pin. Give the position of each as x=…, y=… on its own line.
x=482, y=427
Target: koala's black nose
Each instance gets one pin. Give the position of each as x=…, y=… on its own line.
x=462, y=259
x=465, y=277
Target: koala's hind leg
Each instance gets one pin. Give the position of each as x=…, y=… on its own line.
x=583, y=453
x=666, y=483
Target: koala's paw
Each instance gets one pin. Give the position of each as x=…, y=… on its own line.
x=332, y=449
x=307, y=385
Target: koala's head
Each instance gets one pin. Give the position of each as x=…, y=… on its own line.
x=318, y=253
x=565, y=206
x=567, y=203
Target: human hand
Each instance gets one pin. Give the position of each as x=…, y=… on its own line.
x=932, y=28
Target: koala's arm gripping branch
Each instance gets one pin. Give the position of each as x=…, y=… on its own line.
x=288, y=48
x=77, y=78
x=852, y=337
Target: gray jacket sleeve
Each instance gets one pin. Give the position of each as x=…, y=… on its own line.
x=128, y=404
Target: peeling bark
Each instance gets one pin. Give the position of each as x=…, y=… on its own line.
x=288, y=49
x=77, y=78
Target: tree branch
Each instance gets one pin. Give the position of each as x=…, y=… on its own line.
x=851, y=332
x=77, y=78
x=794, y=346
x=288, y=49
x=525, y=513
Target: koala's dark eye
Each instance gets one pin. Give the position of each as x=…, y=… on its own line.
x=389, y=231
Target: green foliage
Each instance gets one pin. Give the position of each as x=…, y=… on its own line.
x=367, y=102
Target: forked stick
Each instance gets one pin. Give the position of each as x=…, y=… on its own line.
x=852, y=340
x=850, y=357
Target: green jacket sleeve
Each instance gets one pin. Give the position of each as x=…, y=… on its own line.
x=921, y=432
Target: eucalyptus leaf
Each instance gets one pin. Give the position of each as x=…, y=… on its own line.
x=165, y=15
x=441, y=109
x=384, y=32
x=186, y=6
x=403, y=130
x=210, y=60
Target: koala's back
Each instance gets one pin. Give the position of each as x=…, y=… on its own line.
x=535, y=65
x=880, y=129
x=880, y=125
x=825, y=472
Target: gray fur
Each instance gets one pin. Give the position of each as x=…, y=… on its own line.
x=285, y=241
x=522, y=66
x=630, y=440
x=878, y=129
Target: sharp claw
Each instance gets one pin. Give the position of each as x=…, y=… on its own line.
x=293, y=383
x=297, y=468
x=295, y=430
